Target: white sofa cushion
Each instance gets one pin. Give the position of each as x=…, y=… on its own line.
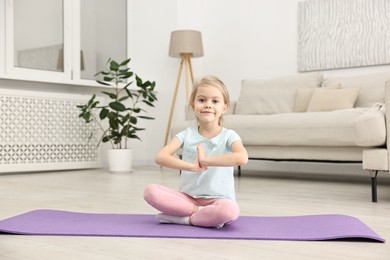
x=371, y=87
x=342, y=128
x=337, y=128
x=275, y=95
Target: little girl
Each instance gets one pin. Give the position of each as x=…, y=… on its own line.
x=210, y=152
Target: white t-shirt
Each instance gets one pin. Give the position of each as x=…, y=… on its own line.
x=216, y=182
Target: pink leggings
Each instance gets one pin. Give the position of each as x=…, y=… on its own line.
x=216, y=211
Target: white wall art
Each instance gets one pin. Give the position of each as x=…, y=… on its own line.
x=343, y=33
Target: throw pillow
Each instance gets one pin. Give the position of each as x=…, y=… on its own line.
x=303, y=96
x=332, y=99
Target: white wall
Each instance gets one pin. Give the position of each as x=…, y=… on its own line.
x=152, y=22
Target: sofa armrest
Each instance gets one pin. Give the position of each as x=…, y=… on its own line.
x=387, y=116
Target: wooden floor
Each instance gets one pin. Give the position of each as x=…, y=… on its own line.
x=260, y=194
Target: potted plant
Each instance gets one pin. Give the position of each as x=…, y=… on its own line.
x=117, y=121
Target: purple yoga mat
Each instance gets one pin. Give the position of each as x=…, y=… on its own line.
x=63, y=223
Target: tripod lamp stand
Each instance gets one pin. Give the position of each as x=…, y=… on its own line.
x=184, y=45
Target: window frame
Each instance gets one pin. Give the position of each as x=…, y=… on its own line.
x=72, y=42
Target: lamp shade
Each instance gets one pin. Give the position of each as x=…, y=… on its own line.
x=186, y=41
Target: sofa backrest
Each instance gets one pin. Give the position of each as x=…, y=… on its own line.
x=279, y=95
x=275, y=95
x=371, y=87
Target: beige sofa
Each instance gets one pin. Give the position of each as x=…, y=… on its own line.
x=307, y=117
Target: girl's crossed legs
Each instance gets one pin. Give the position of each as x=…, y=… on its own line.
x=201, y=212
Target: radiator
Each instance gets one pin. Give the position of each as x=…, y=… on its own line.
x=41, y=131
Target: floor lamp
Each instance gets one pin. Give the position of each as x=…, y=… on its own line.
x=184, y=44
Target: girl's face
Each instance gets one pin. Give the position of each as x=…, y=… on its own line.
x=209, y=104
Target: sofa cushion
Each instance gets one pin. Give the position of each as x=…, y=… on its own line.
x=324, y=99
x=275, y=95
x=371, y=87
x=352, y=127
x=342, y=128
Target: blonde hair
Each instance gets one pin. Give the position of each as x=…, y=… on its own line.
x=214, y=82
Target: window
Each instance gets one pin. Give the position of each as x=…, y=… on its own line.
x=61, y=41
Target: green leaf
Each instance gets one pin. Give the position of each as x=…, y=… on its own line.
x=134, y=136
x=146, y=117
x=133, y=120
x=106, y=138
x=139, y=81
x=111, y=95
x=123, y=98
x=128, y=84
x=87, y=116
x=128, y=91
x=147, y=84
x=94, y=104
x=129, y=74
x=148, y=103
x=103, y=83
x=114, y=65
x=125, y=62
x=151, y=95
x=117, y=106
x=114, y=123
x=108, y=78
x=91, y=100
x=126, y=75
x=103, y=113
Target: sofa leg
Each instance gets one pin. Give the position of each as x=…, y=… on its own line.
x=374, y=175
x=239, y=170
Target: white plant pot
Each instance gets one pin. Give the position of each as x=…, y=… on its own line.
x=120, y=160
